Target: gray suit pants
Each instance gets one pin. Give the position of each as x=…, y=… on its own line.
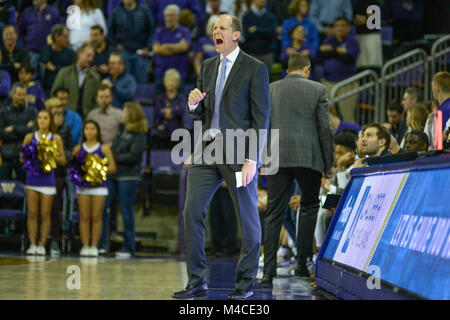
x=202, y=183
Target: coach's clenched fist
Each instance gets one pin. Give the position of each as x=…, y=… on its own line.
x=195, y=96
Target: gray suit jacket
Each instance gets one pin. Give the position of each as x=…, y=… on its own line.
x=245, y=100
x=299, y=109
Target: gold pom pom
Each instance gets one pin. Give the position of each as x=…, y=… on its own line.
x=96, y=169
x=47, y=151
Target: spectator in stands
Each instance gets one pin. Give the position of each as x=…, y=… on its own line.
x=121, y=83
x=81, y=81
x=102, y=50
x=90, y=16
x=169, y=110
x=56, y=108
x=375, y=141
x=338, y=125
x=344, y=157
x=112, y=4
x=298, y=45
x=259, y=28
x=441, y=92
x=222, y=219
x=5, y=85
x=205, y=48
x=13, y=56
x=131, y=30
x=35, y=94
x=202, y=30
x=171, y=45
x=298, y=9
x=56, y=55
x=157, y=7
x=34, y=26
x=324, y=13
x=71, y=118
x=371, y=56
x=16, y=120
x=127, y=149
x=396, y=125
x=411, y=96
x=108, y=117
x=416, y=141
x=338, y=55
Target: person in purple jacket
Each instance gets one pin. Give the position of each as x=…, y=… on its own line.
x=338, y=55
x=169, y=110
x=34, y=26
x=35, y=94
x=171, y=45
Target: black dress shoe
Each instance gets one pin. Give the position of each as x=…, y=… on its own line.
x=191, y=292
x=302, y=273
x=266, y=281
x=240, y=294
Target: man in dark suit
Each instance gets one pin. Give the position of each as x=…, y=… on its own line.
x=232, y=93
x=299, y=110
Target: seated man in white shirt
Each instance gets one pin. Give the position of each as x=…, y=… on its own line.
x=344, y=157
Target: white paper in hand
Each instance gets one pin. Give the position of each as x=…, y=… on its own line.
x=238, y=179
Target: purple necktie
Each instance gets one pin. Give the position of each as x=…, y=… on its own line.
x=219, y=89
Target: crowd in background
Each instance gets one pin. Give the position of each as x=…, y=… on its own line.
x=92, y=72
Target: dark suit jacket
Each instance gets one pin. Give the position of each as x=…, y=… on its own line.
x=299, y=109
x=245, y=101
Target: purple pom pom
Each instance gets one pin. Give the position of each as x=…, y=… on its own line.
x=30, y=157
x=75, y=172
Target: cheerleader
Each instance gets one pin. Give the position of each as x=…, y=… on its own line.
x=91, y=199
x=40, y=184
